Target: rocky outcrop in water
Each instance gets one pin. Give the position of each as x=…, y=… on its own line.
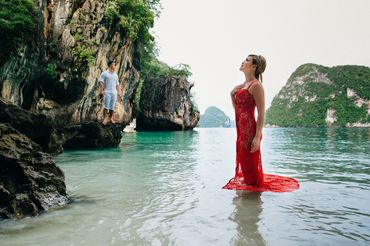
x=30, y=182
x=317, y=96
x=166, y=105
x=37, y=127
x=54, y=138
x=92, y=135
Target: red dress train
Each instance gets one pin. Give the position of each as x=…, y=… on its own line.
x=248, y=172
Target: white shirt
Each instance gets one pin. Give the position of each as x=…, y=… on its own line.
x=110, y=80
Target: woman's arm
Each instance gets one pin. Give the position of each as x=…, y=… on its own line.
x=232, y=93
x=259, y=97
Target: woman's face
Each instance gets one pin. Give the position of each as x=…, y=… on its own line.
x=248, y=66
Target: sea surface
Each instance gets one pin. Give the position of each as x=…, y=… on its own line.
x=164, y=188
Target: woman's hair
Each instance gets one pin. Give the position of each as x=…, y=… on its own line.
x=260, y=61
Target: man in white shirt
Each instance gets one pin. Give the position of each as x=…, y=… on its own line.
x=110, y=82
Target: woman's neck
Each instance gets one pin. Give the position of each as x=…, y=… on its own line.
x=249, y=77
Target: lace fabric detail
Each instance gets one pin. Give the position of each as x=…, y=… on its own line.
x=248, y=172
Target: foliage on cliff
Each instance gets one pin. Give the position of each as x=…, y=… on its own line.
x=18, y=24
x=214, y=117
x=313, y=91
x=155, y=68
x=134, y=18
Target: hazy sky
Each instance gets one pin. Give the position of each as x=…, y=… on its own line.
x=215, y=36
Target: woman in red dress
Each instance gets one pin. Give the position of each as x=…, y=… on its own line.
x=245, y=98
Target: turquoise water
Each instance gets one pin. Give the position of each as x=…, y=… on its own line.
x=165, y=189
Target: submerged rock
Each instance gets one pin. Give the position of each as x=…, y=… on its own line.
x=165, y=104
x=30, y=182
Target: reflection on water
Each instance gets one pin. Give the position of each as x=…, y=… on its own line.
x=164, y=188
x=248, y=208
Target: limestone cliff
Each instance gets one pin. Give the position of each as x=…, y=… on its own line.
x=321, y=96
x=166, y=105
x=57, y=74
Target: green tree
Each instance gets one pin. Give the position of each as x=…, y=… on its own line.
x=18, y=25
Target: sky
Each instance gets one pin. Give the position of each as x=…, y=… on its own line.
x=215, y=36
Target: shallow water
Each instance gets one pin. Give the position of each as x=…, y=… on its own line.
x=164, y=188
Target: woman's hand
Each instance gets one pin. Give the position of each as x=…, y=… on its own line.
x=255, y=144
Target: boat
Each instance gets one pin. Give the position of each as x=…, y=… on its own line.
x=131, y=127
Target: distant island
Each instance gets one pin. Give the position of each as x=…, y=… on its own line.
x=318, y=96
x=214, y=117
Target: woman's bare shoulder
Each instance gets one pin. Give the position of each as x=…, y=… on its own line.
x=256, y=88
x=257, y=85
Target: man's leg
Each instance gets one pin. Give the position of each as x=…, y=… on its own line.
x=113, y=104
x=111, y=116
x=105, y=116
x=106, y=119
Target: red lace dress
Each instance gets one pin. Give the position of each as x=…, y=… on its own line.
x=248, y=172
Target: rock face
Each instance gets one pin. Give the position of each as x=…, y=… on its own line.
x=92, y=135
x=30, y=182
x=37, y=127
x=321, y=96
x=58, y=73
x=53, y=138
x=214, y=117
x=165, y=105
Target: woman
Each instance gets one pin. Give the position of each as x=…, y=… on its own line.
x=245, y=98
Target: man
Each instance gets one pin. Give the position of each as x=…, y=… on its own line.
x=110, y=82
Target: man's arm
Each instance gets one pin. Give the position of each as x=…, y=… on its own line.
x=101, y=86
